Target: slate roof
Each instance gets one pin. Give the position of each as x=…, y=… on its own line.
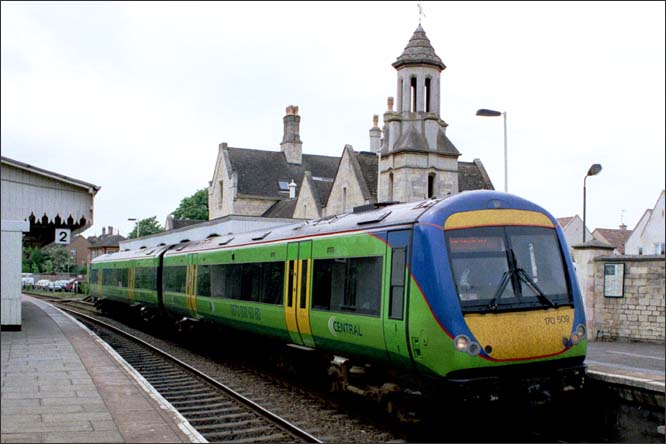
x=368, y=163
x=615, y=237
x=281, y=208
x=413, y=140
x=564, y=221
x=105, y=241
x=259, y=171
x=473, y=176
x=419, y=51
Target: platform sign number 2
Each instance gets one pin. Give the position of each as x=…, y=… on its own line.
x=63, y=236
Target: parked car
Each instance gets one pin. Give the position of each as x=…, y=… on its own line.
x=27, y=280
x=42, y=284
x=73, y=284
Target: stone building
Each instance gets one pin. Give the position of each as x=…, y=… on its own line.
x=648, y=235
x=409, y=159
x=572, y=227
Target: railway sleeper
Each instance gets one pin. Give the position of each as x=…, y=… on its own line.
x=198, y=401
x=176, y=386
x=275, y=437
x=234, y=426
x=195, y=389
x=199, y=395
x=212, y=415
x=236, y=435
x=204, y=409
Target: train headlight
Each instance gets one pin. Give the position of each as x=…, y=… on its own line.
x=578, y=334
x=461, y=343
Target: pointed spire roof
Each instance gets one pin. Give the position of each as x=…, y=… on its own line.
x=419, y=51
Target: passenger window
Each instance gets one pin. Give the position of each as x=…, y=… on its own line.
x=348, y=285
x=174, y=278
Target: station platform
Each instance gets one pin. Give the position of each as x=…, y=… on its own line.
x=61, y=383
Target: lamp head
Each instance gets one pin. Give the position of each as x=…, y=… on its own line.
x=488, y=113
x=594, y=169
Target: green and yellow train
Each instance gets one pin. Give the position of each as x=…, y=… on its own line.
x=474, y=293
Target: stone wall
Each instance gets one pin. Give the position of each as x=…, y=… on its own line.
x=639, y=313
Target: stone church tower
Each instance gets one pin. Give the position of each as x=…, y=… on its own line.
x=418, y=161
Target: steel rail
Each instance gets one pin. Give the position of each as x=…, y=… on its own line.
x=268, y=415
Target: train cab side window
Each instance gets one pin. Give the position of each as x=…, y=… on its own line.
x=396, y=302
x=348, y=285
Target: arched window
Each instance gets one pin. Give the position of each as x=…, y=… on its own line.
x=431, y=185
x=426, y=91
x=412, y=95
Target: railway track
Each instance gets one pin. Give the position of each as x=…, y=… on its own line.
x=217, y=412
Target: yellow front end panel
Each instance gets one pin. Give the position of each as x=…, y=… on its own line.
x=522, y=335
x=480, y=218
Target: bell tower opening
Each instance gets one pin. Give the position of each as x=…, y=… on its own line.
x=412, y=94
x=426, y=91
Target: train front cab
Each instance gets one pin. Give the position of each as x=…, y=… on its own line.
x=506, y=315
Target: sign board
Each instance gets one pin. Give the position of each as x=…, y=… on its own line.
x=614, y=280
x=63, y=236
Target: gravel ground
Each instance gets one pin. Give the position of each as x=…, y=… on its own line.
x=329, y=420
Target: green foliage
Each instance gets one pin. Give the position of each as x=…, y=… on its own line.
x=146, y=226
x=61, y=259
x=194, y=207
x=33, y=260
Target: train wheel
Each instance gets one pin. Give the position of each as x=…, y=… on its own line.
x=398, y=407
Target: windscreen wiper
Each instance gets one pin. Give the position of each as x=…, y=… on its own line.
x=502, y=285
x=522, y=274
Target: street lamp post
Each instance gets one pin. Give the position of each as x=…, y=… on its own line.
x=594, y=169
x=138, y=226
x=491, y=113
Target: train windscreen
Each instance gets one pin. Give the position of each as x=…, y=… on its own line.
x=508, y=268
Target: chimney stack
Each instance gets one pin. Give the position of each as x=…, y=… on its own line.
x=291, y=145
x=623, y=226
x=103, y=231
x=375, y=135
x=110, y=230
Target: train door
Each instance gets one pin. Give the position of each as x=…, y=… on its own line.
x=395, y=322
x=130, y=285
x=297, y=292
x=191, y=286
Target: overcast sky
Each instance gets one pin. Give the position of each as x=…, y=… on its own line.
x=136, y=97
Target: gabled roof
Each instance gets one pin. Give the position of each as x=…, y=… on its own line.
x=615, y=237
x=473, y=176
x=259, y=171
x=419, y=51
x=564, y=221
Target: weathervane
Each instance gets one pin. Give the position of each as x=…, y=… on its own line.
x=421, y=13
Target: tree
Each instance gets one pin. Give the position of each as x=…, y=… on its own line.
x=33, y=260
x=147, y=226
x=60, y=259
x=194, y=207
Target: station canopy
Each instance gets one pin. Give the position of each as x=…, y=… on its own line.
x=49, y=201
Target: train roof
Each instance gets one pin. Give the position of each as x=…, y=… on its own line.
x=143, y=253
x=365, y=218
